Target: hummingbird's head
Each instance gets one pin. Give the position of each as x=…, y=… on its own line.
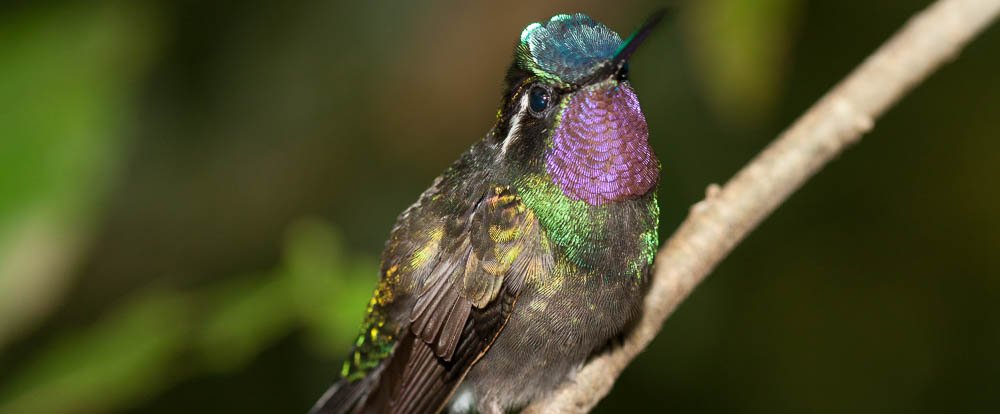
x=570, y=113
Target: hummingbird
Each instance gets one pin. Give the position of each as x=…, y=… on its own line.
x=530, y=253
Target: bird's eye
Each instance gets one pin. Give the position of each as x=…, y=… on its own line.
x=538, y=99
x=623, y=73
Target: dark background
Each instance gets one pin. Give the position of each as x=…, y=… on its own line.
x=193, y=196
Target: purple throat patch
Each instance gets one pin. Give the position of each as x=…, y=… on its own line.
x=600, y=149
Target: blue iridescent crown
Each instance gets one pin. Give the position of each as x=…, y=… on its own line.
x=568, y=46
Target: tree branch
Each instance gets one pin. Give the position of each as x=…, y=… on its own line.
x=715, y=225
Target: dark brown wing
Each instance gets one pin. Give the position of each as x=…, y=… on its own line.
x=463, y=302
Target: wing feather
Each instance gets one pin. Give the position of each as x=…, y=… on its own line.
x=466, y=299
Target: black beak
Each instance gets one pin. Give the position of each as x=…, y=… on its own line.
x=617, y=63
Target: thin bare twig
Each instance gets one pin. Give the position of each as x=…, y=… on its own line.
x=717, y=224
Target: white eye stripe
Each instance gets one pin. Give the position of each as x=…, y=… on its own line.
x=515, y=124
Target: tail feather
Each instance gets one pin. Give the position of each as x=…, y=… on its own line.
x=368, y=395
x=412, y=381
x=343, y=397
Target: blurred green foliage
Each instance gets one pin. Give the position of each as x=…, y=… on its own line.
x=118, y=360
x=193, y=195
x=741, y=47
x=66, y=75
x=162, y=336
